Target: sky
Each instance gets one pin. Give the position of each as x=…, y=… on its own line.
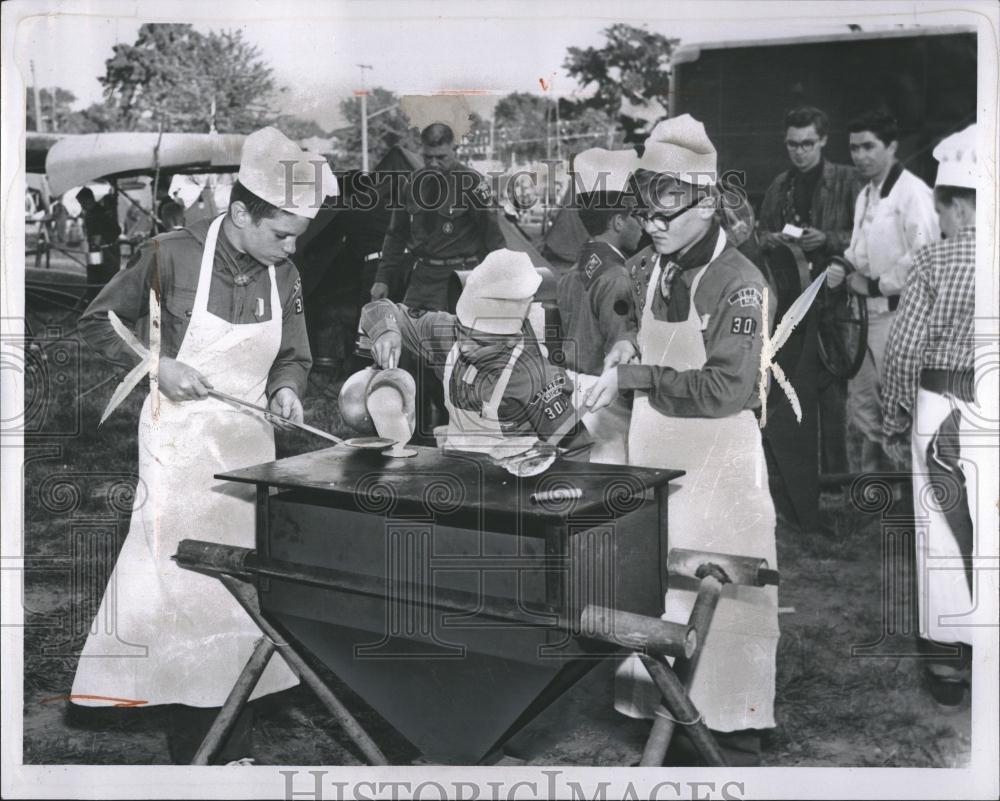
x=413, y=47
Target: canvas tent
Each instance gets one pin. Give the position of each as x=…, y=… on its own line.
x=566, y=234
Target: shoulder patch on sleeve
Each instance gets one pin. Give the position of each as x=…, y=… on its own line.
x=298, y=305
x=550, y=391
x=593, y=264
x=747, y=297
x=483, y=191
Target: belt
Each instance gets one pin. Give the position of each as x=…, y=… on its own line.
x=460, y=261
x=888, y=303
x=957, y=383
x=373, y=256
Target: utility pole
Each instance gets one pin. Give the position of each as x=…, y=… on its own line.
x=55, y=114
x=558, y=130
x=39, y=120
x=364, y=119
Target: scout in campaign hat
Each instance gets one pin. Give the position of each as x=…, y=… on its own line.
x=277, y=170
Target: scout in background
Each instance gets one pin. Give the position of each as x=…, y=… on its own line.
x=893, y=218
x=232, y=320
x=699, y=302
x=499, y=388
x=595, y=296
x=817, y=196
x=929, y=411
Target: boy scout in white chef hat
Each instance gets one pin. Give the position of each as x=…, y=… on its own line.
x=595, y=299
x=500, y=390
x=699, y=306
x=929, y=412
x=232, y=320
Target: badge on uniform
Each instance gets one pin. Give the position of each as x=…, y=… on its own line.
x=592, y=265
x=748, y=297
x=298, y=305
x=448, y=227
x=259, y=311
x=483, y=191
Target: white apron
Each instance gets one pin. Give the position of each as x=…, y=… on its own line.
x=946, y=609
x=166, y=635
x=608, y=427
x=480, y=432
x=721, y=504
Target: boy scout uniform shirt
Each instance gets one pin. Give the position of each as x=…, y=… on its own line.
x=595, y=304
x=728, y=303
x=240, y=292
x=446, y=217
x=538, y=396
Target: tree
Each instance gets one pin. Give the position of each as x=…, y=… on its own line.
x=387, y=126
x=183, y=80
x=296, y=128
x=522, y=125
x=634, y=64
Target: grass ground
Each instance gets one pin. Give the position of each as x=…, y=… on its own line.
x=833, y=708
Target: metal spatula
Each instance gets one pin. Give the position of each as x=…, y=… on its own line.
x=373, y=443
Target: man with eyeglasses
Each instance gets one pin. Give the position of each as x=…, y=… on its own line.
x=700, y=305
x=894, y=217
x=816, y=195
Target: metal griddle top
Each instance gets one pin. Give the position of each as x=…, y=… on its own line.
x=458, y=478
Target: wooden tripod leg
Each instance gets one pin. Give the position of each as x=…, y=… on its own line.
x=246, y=595
x=681, y=709
x=237, y=699
x=701, y=616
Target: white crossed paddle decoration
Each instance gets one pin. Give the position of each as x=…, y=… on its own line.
x=791, y=318
x=150, y=360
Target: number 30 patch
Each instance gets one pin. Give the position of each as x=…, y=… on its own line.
x=743, y=325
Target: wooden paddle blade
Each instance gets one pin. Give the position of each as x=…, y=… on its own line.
x=125, y=387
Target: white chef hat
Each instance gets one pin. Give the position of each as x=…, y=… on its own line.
x=956, y=156
x=498, y=293
x=277, y=170
x=679, y=146
x=599, y=170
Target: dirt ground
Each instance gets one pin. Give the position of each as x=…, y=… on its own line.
x=835, y=706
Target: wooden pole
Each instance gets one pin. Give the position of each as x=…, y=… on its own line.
x=700, y=620
x=682, y=710
x=247, y=598
x=237, y=699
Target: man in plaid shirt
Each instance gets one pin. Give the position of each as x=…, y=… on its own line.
x=927, y=398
